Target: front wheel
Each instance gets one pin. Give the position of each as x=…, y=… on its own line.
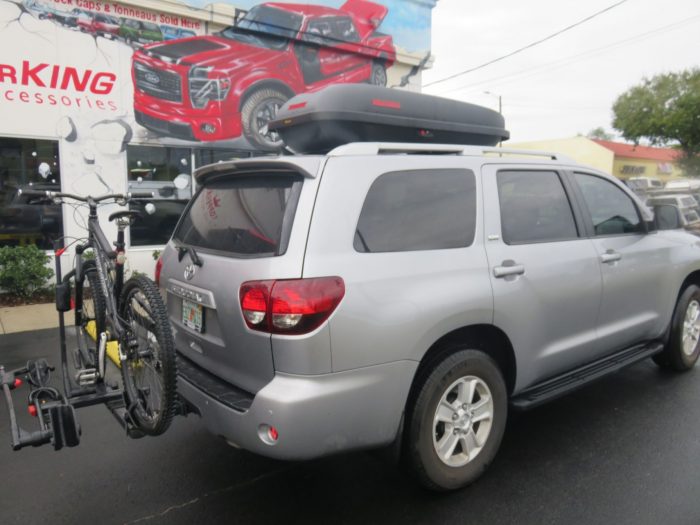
x=256, y=114
x=149, y=370
x=457, y=420
x=683, y=348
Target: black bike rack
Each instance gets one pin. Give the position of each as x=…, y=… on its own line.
x=56, y=411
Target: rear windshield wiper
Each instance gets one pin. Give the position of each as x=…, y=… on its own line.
x=182, y=250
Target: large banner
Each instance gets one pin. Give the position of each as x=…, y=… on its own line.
x=100, y=74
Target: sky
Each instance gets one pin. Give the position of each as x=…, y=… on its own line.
x=567, y=85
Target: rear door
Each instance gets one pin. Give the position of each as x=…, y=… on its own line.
x=544, y=272
x=243, y=225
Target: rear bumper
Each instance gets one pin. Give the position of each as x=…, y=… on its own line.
x=314, y=415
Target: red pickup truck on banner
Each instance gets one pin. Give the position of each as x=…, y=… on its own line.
x=217, y=87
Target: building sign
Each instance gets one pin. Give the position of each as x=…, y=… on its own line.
x=114, y=96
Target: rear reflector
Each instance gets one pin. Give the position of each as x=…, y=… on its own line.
x=298, y=105
x=159, y=268
x=296, y=306
x=393, y=104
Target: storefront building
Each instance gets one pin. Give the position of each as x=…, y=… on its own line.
x=99, y=97
x=617, y=158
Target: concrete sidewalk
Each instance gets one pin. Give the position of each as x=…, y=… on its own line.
x=30, y=317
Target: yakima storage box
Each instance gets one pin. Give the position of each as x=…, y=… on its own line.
x=339, y=114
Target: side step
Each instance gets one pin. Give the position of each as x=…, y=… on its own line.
x=574, y=379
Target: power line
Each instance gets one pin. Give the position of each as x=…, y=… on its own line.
x=542, y=68
x=533, y=44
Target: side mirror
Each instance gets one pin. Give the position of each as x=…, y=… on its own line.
x=667, y=217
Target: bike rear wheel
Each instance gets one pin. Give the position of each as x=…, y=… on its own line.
x=149, y=370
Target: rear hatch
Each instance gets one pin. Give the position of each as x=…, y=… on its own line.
x=248, y=221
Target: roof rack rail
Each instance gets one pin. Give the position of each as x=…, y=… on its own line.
x=378, y=148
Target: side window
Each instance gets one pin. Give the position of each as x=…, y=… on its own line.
x=345, y=31
x=534, y=207
x=418, y=210
x=611, y=209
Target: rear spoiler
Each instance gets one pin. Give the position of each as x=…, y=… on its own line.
x=308, y=167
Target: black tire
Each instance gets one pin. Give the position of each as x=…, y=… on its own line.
x=259, y=109
x=424, y=433
x=378, y=76
x=90, y=305
x=149, y=371
x=682, y=350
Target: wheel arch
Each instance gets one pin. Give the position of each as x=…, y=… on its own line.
x=485, y=337
x=265, y=84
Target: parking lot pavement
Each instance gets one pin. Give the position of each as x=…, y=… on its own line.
x=624, y=450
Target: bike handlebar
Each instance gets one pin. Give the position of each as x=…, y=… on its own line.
x=88, y=198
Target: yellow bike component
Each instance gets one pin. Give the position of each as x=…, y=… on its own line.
x=112, y=349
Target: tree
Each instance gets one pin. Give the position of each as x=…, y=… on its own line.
x=665, y=110
x=599, y=133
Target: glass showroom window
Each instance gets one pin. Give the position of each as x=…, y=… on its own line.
x=26, y=163
x=167, y=172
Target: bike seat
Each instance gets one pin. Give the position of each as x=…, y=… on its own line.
x=125, y=213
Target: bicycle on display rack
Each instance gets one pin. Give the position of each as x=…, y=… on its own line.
x=122, y=322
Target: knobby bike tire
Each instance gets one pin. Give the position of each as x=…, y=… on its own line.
x=149, y=371
x=90, y=305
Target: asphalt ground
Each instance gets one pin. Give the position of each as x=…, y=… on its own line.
x=625, y=450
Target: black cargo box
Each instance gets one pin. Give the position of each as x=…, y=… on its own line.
x=318, y=122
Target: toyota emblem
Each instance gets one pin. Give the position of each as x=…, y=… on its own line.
x=152, y=78
x=189, y=271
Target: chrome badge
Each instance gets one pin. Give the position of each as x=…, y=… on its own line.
x=189, y=271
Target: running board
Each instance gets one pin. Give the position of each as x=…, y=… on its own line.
x=568, y=382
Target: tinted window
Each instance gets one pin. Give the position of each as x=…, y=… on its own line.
x=534, y=207
x=242, y=216
x=418, y=210
x=29, y=164
x=167, y=172
x=611, y=209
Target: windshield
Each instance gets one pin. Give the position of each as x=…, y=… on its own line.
x=265, y=26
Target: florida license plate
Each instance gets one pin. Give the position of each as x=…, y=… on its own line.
x=192, y=315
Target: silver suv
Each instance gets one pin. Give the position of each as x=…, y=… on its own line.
x=410, y=294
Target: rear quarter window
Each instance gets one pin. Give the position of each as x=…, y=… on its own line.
x=242, y=216
x=418, y=210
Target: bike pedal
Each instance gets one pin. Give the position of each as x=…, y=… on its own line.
x=86, y=377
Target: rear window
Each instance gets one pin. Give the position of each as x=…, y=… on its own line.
x=242, y=216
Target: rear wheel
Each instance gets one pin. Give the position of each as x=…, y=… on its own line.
x=149, y=371
x=457, y=420
x=683, y=348
x=378, y=76
x=257, y=112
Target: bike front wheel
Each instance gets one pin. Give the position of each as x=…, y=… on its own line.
x=149, y=370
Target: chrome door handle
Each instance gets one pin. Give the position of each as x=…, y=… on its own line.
x=610, y=256
x=508, y=269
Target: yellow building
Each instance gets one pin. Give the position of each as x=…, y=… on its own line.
x=617, y=158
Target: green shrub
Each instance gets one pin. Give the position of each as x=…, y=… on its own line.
x=156, y=254
x=23, y=270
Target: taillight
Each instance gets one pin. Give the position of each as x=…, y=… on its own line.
x=296, y=306
x=159, y=268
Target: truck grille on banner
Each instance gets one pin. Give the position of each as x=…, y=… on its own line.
x=157, y=83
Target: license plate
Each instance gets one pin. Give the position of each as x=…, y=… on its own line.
x=192, y=315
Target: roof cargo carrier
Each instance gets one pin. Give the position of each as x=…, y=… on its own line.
x=340, y=114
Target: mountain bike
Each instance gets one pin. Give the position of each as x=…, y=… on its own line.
x=121, y=321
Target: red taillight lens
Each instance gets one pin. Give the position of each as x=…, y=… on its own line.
x=296, y=306
x=159, y=268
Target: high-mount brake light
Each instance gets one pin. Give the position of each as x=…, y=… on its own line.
x=294, y=306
